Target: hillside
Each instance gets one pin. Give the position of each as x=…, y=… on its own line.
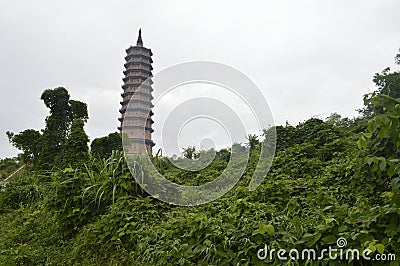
x=330, y=180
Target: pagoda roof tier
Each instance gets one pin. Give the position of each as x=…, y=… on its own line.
x=139, y=140
x=126, y=93
x=143, y=56
x=138, y=63
x=133, y=102
x=146, y=72
x=144, y=110
x=141, y=83
x=136, y=85
x=136, y=126
x=138, y=48
x=143, y=78
x=136, y=118
x=136, y=101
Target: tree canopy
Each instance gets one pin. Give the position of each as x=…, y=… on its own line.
x=104, y=146
x=44, y=148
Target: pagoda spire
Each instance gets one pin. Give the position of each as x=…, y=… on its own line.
x=139, y=39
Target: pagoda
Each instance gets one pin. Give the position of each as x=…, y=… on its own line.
x=136, y=114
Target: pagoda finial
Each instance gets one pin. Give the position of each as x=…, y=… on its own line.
x=139, y=40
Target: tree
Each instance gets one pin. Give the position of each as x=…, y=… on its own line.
x=224, y=154
x=8, y=166
x=103, y=147
x=190, y=152
x=75, y=150
x=381, y=141
x=286, y=136
x=43, y=148
x=388, y=83
x=63, y=112
x=78, y=110
x=252, y=141
x=28, y=141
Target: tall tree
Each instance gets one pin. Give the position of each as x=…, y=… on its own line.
x=63, y=111
x=75, y=150
x=43, y=148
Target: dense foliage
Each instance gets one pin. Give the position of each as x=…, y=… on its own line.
x=46, y=148
x=7, y=167
x=104, y=146
x=330, y=179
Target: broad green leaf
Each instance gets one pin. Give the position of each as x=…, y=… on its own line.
x=263, y=228
x=270, y=229
x=313, y=240
x=380, y=248
x=361, y=143
x=68, y=170
x=329, y=239
x=329, y=220
x=382, y=164
x=382, y=132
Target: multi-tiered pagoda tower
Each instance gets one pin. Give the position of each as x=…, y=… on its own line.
x=136, y=122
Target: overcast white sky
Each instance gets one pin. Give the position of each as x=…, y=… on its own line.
x=309, y=58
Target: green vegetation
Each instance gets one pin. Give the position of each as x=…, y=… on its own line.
x=103, y=147
x=7, y=167
x=51, y=146
x=330, y=179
